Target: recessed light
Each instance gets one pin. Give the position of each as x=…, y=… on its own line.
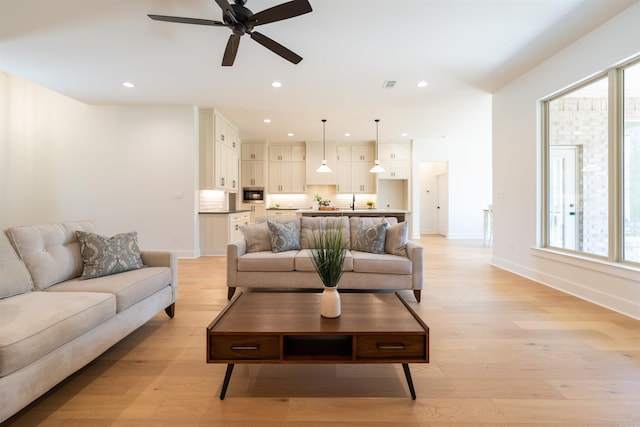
x=290, y=134
x=128, y=84
x=267, y=120
x=276, y=84
x=422, y=83
x=404, y=134
x=347, y=134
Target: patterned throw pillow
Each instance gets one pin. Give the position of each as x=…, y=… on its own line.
x=370, y=238
x=103, y=256
x=396, y=239
x=284, y=237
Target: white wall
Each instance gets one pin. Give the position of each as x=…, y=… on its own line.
x=124, y=167
x=515, y=171
x=461, y=138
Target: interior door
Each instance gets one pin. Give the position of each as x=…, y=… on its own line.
x=442, y=203
x=564, y=194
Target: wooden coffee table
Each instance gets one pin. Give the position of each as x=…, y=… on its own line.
x=286, y=328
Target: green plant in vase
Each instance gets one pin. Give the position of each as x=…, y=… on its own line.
x=328, y=254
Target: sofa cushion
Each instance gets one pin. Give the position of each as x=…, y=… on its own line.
x=50, y=252
x=267, y=261
x=310, y=227
x=103, y=255
x=129, y=287
x=368, y=238
x=304, y=261
x=284, y=237
x=257, y=237
x=35, y=323
x=364, y=262
x=14, y=277
x=396, y=239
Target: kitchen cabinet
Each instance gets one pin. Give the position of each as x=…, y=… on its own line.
x=354, y=162
x=253, y=165
x=226, y=168
x=281, y=212
x=237, y=220
x=255, y=210
x=253, y=173
x=226, y=133
x=218, y=152
x=254, y=151
x=287, y=169
x=217, y=230
x=395, y=160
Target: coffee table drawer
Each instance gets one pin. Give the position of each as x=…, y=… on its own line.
x=244, y=347
x=390, y=347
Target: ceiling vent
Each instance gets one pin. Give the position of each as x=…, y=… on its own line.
x=388, y=84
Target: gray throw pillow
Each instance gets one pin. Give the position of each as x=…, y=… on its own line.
x=284, y=237
x=257, y=237
x=103, y=256
x=396, y=239
x=370, y=238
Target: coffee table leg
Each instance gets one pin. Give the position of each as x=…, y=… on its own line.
x=407, y=373
x=227, y=377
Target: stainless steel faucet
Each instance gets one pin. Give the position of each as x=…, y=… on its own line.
x=353, y=205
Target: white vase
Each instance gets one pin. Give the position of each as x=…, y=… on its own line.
x=330, y=302
x=316, y=205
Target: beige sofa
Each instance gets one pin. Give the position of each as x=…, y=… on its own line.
x=51, y=322
x=253, y=263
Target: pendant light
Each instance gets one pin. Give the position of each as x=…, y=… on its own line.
x=323, y=168
x=377, y=168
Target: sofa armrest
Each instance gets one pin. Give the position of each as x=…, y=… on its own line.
x=234, y=251
x=415, y=253
x=169, y=259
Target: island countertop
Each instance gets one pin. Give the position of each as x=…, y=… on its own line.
x=398, y=213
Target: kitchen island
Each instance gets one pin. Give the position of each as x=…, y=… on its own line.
x=401, y=215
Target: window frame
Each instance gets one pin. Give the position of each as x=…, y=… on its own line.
x=615, y=252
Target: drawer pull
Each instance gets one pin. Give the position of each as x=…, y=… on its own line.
x=390, y=346
x=245, y=347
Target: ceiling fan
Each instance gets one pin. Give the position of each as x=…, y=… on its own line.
x=241, y=21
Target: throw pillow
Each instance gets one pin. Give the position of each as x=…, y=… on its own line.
x=369, y=238
x=257, y=237
x=396, y=239
x=103, y=256
x=284, y=237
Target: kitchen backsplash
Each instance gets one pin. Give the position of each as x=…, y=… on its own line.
x=218, y=201
x=213, y=201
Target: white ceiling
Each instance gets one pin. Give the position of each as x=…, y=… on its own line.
x=86, y=48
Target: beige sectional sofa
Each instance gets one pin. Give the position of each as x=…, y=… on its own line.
x=396, y=263
x=53, y=320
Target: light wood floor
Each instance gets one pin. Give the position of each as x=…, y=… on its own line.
x=504, y=351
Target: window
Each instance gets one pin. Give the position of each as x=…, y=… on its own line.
x=631, y=163
x=591, y=167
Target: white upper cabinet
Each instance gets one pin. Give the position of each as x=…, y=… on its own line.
x=219, y=142
x=395, y=160
x=354, y=162
x=287, y=169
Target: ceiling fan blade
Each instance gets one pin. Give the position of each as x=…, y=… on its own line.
x=282, y=11
x=231, y=50
x=276, y=47
x=181, y=20
x=227, y=9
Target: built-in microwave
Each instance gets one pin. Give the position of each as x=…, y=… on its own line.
x=253, y=195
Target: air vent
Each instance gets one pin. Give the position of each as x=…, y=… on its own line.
x=388, y=84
